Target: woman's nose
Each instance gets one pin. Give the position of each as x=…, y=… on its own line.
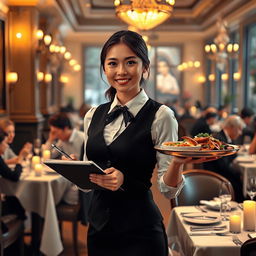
x=121, y=69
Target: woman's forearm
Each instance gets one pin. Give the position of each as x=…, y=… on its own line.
x=173, y=176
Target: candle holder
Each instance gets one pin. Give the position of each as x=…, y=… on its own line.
x=235, y=222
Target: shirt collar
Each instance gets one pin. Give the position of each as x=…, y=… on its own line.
x=229, y=140
x=134, y=105
x=72, y=136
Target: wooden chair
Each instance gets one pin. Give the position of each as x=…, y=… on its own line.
x=248, y=248
x=74, y=214
x=13, y=235
x=199, y=184
x=66, y=212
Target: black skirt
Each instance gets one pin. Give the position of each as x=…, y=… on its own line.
x=143, y=241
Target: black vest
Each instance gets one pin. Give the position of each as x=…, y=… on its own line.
x=132, y=152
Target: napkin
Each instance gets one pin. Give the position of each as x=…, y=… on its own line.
x=211, y=203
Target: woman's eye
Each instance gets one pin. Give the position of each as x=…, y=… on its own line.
x=131, y=62
x=112, y=63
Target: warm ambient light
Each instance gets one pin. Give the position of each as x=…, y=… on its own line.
x=64, y=79
x=47, y=39
x=19, y=35
x=72, y=62
x=12, y=77
x=40, y=76
x=39, y=34
x=48, y=77
x=236, y=76
x=146, y=14
x=67, y=55
x=77, y=67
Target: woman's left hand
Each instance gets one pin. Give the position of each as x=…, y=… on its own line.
x=112, y=180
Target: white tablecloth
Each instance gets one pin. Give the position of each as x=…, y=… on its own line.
x=40, y=195
x=200, y=245
x=247, y=166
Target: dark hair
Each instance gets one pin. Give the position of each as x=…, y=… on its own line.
x=3, y=134
x=135, y=42
x=247, y=112
x=60, y=120
x=210, y=115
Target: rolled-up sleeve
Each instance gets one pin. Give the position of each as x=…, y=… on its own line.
x=165, y=128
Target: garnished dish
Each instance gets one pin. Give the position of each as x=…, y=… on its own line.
x=201, y=145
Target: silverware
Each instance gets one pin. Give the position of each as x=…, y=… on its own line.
x=201, y=217
x=208, y=228
x=226, y=233
x=236, y=240
x=184, y=213
x=199, y=207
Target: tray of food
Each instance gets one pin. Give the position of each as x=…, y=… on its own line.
x=202, y=145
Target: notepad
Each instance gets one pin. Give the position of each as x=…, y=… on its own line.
x=76, y=171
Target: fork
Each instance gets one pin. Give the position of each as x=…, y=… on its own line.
x=236, y=240
x=199, y=207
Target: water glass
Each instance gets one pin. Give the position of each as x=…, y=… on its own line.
x=251, y=186
x=225, y=196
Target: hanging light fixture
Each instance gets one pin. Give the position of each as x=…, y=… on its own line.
x=144, y=14
x=222, y=49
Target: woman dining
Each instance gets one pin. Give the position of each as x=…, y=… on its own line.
x=11, y=204
x=9, y=156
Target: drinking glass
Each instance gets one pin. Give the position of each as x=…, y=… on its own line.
x=225, y=196
x=37, y=146
x=251, y=186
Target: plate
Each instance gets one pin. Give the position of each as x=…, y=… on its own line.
x=202, y=218
x=185, y=148
x=215, y=205
x=197, y=153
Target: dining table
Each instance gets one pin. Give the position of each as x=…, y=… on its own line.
x=246, y=165
x=39, y=194
x=203, y=242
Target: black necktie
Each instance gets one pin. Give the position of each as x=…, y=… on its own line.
x=128, y=117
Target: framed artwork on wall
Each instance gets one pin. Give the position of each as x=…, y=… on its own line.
x=2, y=69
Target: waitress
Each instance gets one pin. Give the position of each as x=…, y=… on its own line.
x=120, y=137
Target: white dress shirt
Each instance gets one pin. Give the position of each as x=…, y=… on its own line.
x=164, y=128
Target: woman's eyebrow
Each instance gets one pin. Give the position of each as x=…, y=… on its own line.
x=126, y=58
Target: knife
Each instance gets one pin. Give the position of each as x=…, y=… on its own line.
x=201, y=217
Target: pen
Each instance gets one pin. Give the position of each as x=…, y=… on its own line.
x=62, y=152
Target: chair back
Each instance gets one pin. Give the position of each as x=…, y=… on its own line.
x=248, y=248
x=199, y=185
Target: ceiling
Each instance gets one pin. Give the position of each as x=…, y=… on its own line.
x=188, y=15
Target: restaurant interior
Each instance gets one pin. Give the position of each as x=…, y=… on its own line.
x=202, y=66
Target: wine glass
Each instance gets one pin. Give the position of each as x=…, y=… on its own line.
x=37, y=146
x=225, y=196
x=251, y=186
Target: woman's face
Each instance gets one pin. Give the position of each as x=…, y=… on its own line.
x=123, y=70
x=3, y=145
x=10, y=130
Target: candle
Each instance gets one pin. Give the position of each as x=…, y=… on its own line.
x=38, y=169
x=249, y=215
x=35, y=160
x=235, y=222
x=46, y=154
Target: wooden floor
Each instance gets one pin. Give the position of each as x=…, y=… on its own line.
x=161, y=201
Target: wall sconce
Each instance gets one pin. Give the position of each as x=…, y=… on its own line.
x=224, y=77
x=39, y=34
x=12, y=77
x=77, y=67
x=48, y=78
x=64, y=79
x=40, y=76
x=19, y=35
x=211, y=77
x=201, y=79
x=236, y=76
x=47, y=39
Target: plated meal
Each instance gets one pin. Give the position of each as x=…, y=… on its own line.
x=202, y=145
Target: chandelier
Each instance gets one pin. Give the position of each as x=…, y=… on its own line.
x=144, y=14
x=222, y=49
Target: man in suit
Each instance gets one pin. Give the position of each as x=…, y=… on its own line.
x=232, y=128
